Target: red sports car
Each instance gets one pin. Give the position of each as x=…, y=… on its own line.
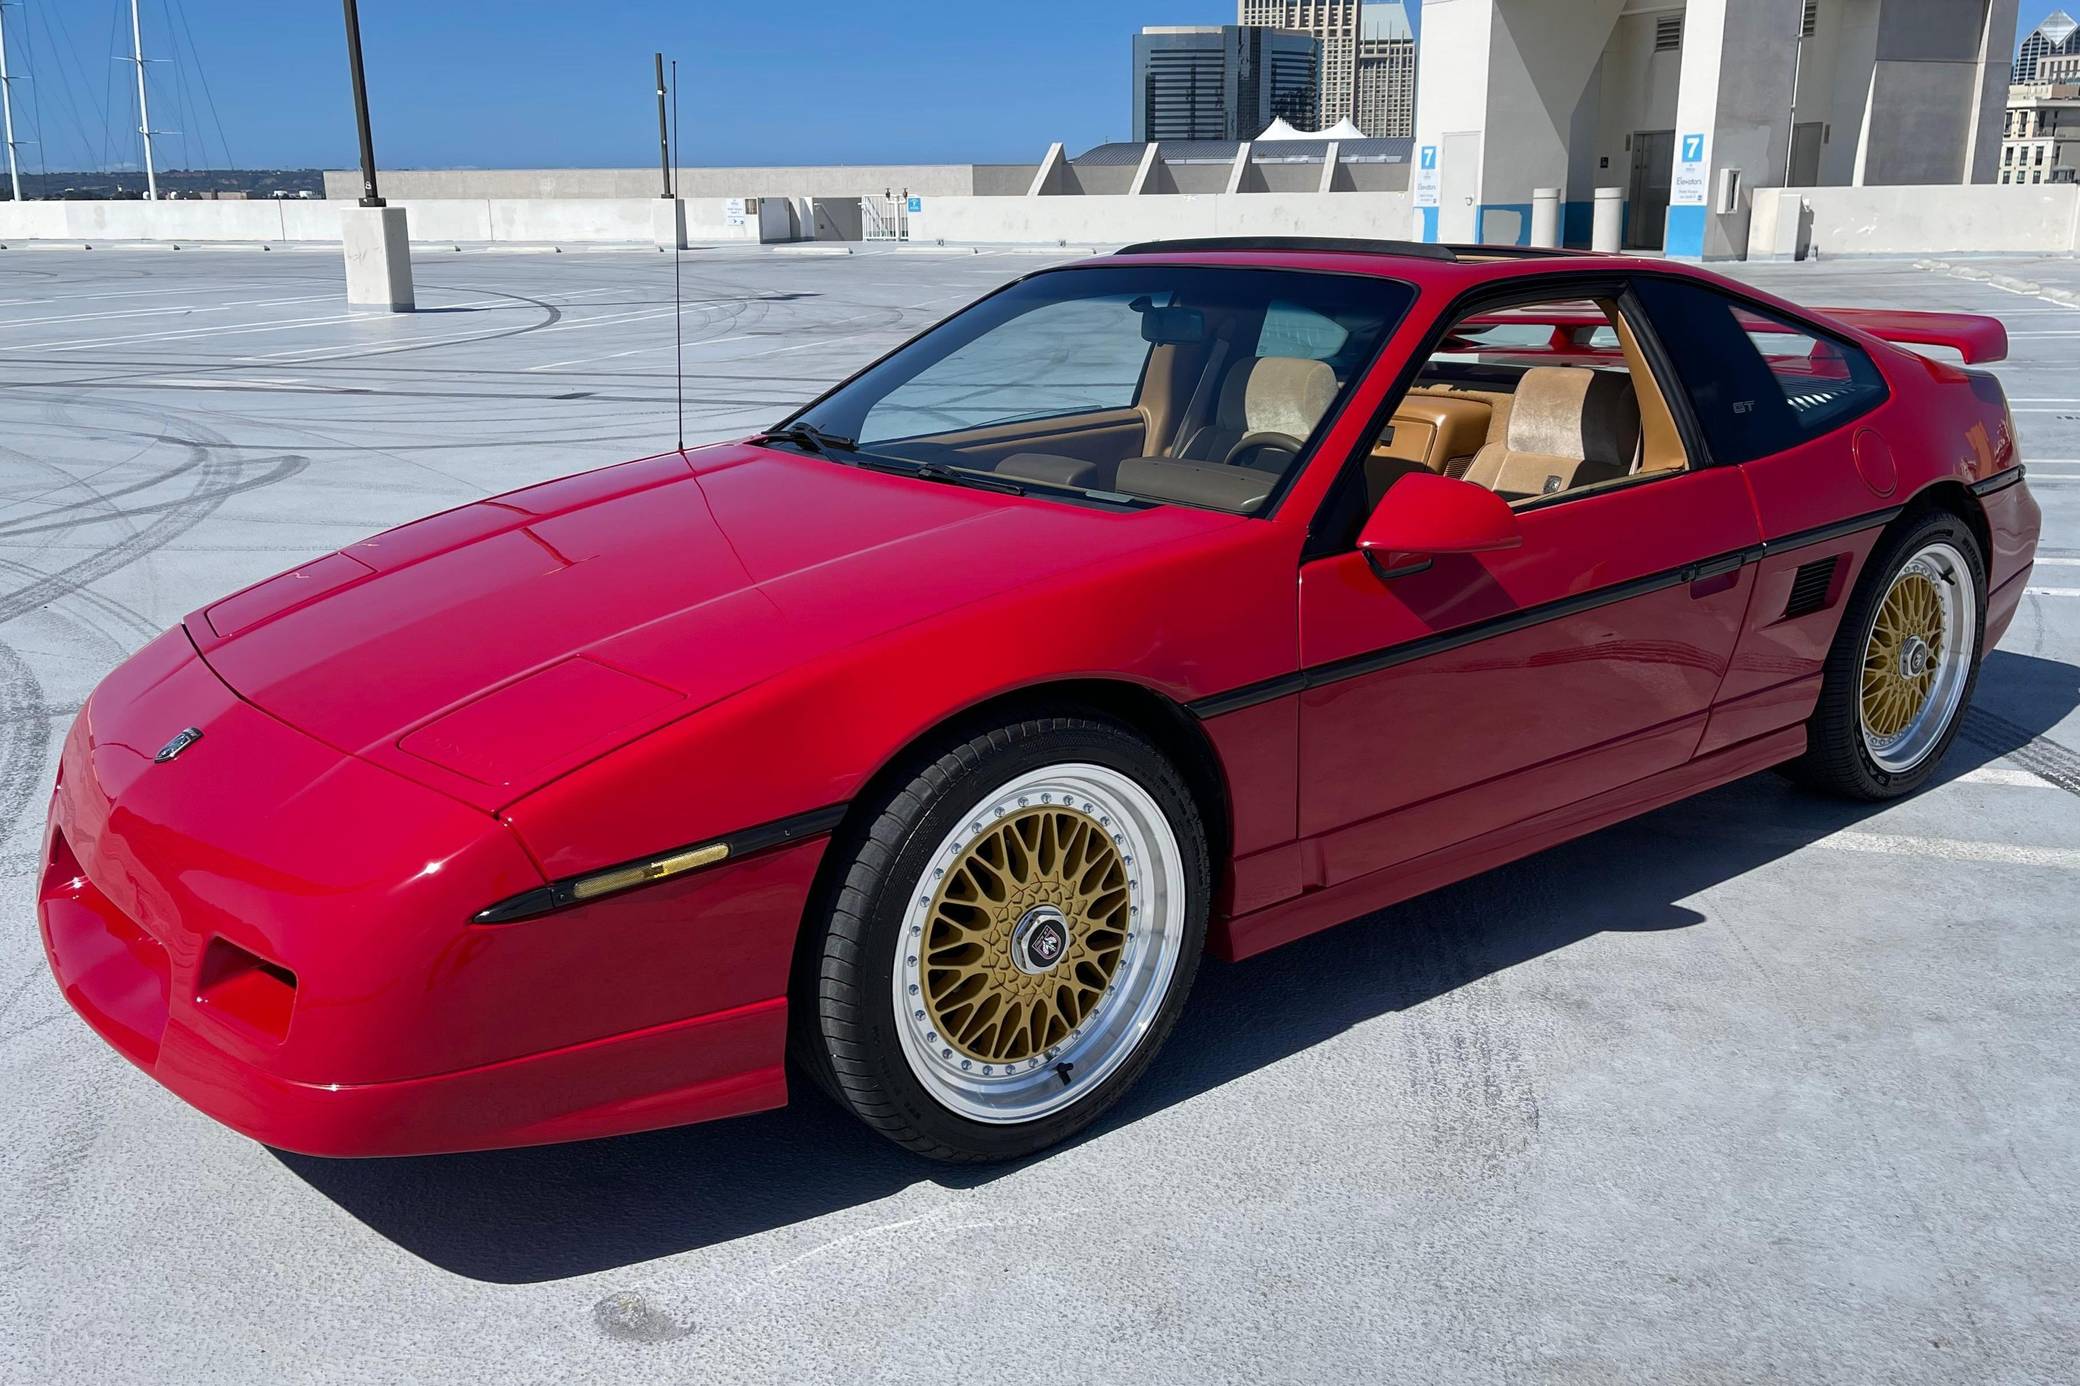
x=1200, y=596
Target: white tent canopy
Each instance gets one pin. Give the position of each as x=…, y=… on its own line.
x=1281, y=129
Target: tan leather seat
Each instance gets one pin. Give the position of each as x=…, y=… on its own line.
x=1283, y=396
x=1569, y=427
x=1498, y=403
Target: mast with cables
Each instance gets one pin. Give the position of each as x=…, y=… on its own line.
x=14, y=172
x=144, y=110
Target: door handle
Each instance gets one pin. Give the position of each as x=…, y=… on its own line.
x=1716, y=575
x=1713, y=567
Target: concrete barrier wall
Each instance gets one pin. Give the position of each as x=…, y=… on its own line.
x=1115, y=220
x=1956, y=219
x=569, y=221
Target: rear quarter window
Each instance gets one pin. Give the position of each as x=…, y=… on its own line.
x=1758, y=383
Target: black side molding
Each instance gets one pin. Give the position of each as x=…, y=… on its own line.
x=559, y=894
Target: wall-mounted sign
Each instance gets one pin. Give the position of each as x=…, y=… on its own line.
x=1426, y=176
x=916, y=204
x=733, y=212
x=1689, y=188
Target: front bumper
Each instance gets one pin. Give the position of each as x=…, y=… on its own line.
x=280, y=935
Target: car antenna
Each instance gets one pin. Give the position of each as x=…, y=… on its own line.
x=678, y=245
x=668, y=180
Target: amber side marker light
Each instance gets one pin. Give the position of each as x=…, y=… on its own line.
x=581, y=890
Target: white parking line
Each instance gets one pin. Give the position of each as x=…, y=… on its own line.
x=2052, y=591
x=2002, y=775
x=1951, y=849
x=2060, y=562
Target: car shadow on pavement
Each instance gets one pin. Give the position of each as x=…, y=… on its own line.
x=546, y=1213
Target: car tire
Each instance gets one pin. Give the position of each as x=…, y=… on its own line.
x=1009, y=938
x=1895, y=685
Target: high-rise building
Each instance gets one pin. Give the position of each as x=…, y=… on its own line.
x=2052, y=38
x=2040, y=135
x=1334, y=25
x=1386, y=101
x=1220, y=82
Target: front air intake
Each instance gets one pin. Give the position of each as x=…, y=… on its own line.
x=1810, y=588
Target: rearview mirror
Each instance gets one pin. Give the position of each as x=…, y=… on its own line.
x=1424, y=515
x=1169, y=326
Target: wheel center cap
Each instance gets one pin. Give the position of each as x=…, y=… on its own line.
x=1039, y=940
x=1914, y=659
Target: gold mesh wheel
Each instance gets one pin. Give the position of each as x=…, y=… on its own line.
x=1917, y=657
x=1904, y=653
x=985, y=987
x=1039, y=944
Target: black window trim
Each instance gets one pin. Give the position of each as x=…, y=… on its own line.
x=1273, y=502
x=1804, y=324
x=1517, y=290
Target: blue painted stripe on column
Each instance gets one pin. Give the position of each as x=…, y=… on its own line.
x=1480, y=221
x=1429, y=225
x=1577, y=224
x=1685, y=238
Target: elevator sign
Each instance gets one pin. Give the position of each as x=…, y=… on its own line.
x=1426, y=176
x=1690, y=187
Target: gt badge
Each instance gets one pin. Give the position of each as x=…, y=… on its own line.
x=182, y=740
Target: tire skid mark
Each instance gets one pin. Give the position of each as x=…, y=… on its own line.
x=2033, y=752
x=24, y=738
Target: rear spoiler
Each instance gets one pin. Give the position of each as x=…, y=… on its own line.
x=1976, y=338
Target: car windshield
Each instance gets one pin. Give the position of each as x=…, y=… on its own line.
x=1189, y=385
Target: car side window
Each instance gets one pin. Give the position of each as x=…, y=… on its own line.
x=1758, y=383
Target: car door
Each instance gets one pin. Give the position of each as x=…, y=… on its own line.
x=1484, y=689
x=1797, y=410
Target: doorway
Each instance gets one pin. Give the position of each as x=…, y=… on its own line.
x=1805, y=155
x=1653, y=174
x=1459, y=186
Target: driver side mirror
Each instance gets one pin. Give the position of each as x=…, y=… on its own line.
x=1423, y=515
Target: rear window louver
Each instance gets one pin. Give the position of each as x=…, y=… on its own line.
x=1810, y=587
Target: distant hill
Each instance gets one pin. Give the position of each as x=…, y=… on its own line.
x=185, y=182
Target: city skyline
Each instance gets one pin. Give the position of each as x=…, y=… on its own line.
x=558, y=86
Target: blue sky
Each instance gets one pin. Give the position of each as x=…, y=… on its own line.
x=521, y=83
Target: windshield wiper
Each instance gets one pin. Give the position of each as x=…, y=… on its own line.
x=808, y=435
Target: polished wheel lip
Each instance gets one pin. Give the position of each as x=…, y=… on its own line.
x=1915, y=675
x=1114, y=1028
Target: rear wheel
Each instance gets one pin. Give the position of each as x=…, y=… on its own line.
x=1903, y=665
x=1014, y=937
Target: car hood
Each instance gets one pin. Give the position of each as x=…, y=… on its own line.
x=489, y=649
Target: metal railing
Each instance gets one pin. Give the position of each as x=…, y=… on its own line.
x=884, y=218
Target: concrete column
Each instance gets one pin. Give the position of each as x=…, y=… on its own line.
x=1329, y=158
x=1052, y=173
x=1146, y=171
x=1238, y=172
x=1938, y=85
x=1733, y=111
x=379, y=258
x=1609, y=226
x=668, y=223
x=1545, y=217
x=1497, y=91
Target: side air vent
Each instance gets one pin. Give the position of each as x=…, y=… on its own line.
x=1809, y=589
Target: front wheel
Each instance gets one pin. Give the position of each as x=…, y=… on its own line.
x=1903, y=665
x=1013, y=939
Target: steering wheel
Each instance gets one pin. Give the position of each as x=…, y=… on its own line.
x=1251, y=442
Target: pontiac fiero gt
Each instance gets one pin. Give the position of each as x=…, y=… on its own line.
x=1198, y=597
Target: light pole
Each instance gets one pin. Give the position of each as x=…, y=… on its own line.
x=664, y=139
x=374, y=237
x=369, y=196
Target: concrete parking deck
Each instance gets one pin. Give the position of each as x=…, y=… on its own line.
x=1760, y=1087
